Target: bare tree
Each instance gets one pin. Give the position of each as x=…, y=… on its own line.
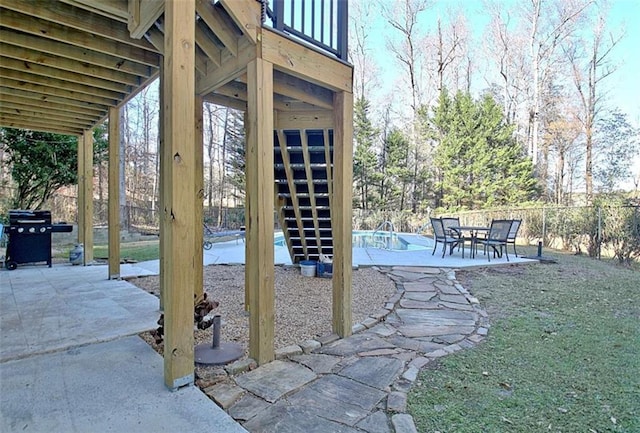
x=590, y=65
x=550, y=23
x=506, y=53
x=361, y=15
x=403, y=17
x=450, y=46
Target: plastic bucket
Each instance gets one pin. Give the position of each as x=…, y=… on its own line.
x=76, y=255
x=308, y=268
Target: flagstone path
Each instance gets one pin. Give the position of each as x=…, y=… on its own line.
x=359, y=383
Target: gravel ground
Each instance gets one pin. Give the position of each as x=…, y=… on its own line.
x=303, y=304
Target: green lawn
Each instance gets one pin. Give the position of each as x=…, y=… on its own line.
x=562, y=355
x=130, y=251
x=134, y=251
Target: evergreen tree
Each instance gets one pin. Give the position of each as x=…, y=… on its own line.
x=480, y=162
x=234, y=140
x=397, y=170
x=364, y=159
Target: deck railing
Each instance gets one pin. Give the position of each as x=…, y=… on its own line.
x=322, y=23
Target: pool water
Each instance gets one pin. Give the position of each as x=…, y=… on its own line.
x=380, y=240
x=385, y=241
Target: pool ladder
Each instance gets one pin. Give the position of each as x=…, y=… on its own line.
x=384, y=240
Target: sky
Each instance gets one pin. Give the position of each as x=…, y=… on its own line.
x=623, y=86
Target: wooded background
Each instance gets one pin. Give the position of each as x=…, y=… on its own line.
x=514, y=115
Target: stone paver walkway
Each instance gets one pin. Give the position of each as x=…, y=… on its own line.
x=360, y=383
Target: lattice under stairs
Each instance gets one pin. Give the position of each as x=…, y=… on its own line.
x=303, y=175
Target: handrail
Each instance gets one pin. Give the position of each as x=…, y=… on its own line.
x=423, y=227
x=324, y=25
x=384, y=237
x=383, y=225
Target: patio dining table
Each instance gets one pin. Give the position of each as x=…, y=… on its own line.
x=474, y=232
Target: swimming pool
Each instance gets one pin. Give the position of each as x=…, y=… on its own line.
x=382, y=240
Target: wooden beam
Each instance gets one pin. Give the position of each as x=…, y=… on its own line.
x=259, y=270
x=79, y=38
x=116, y=9
x=198, y=287
x=238, y=90
x=179, y=137
x=28, y=68
x=341, y=212
x=40, y=121
x=156, y=37
x=46, y=92
x=72, y=67
x=226, y=101
x=142, y=15
x=47, y=107
x=305, y=63
x=207, y=46
x=86, y=57
x=45, y=114
x=247, y=16
x=304, y=141
x=328, y=158
x=232, y=68
x=93, y=94
x=319, y=119
x=26, y=124
x=286, y=159
x=293, y=87
x=85, y=190
x=30, y=97
x=73, y=18
x=114, y=194
x=218, y=25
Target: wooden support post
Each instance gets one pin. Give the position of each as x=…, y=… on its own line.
x=179, y=91
x=198, y=288
x=341, y=212
x=259, y=270
x=85, y=194
x=114, y=194
x=163, y=195
x=80, y=190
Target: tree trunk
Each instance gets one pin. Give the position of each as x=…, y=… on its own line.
x=123, y=163
x=221, y=167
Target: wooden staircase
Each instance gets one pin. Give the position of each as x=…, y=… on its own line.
x=303, y=163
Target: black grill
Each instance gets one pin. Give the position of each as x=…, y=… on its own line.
x=30, y=237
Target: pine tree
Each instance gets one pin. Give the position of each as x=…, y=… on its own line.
x=364, y=159
x=481, y=164
x=398, y=171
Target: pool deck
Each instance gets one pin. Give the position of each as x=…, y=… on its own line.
x=233, y=252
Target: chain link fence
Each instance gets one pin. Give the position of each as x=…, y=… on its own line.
x=612, y=231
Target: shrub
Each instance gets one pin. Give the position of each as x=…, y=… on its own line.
x=621, y=230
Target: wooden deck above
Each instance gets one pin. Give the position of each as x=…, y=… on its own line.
x=63, y=63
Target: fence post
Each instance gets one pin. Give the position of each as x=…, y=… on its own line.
x=544, y=225
x=599, y=232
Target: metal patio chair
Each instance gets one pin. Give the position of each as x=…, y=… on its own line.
x=513, y=233
x=441, y=236
x=497, y=238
